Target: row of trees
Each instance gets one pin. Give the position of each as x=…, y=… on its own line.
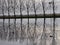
x=18, y=32
x=22, y=34
x=15, y=4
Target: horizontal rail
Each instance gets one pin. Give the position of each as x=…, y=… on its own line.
x=30, y=16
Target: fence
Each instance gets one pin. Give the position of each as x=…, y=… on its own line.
x=27, y=9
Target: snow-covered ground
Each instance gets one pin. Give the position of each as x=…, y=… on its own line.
x=8, y=43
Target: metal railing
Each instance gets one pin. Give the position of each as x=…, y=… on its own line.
x=10, y=6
